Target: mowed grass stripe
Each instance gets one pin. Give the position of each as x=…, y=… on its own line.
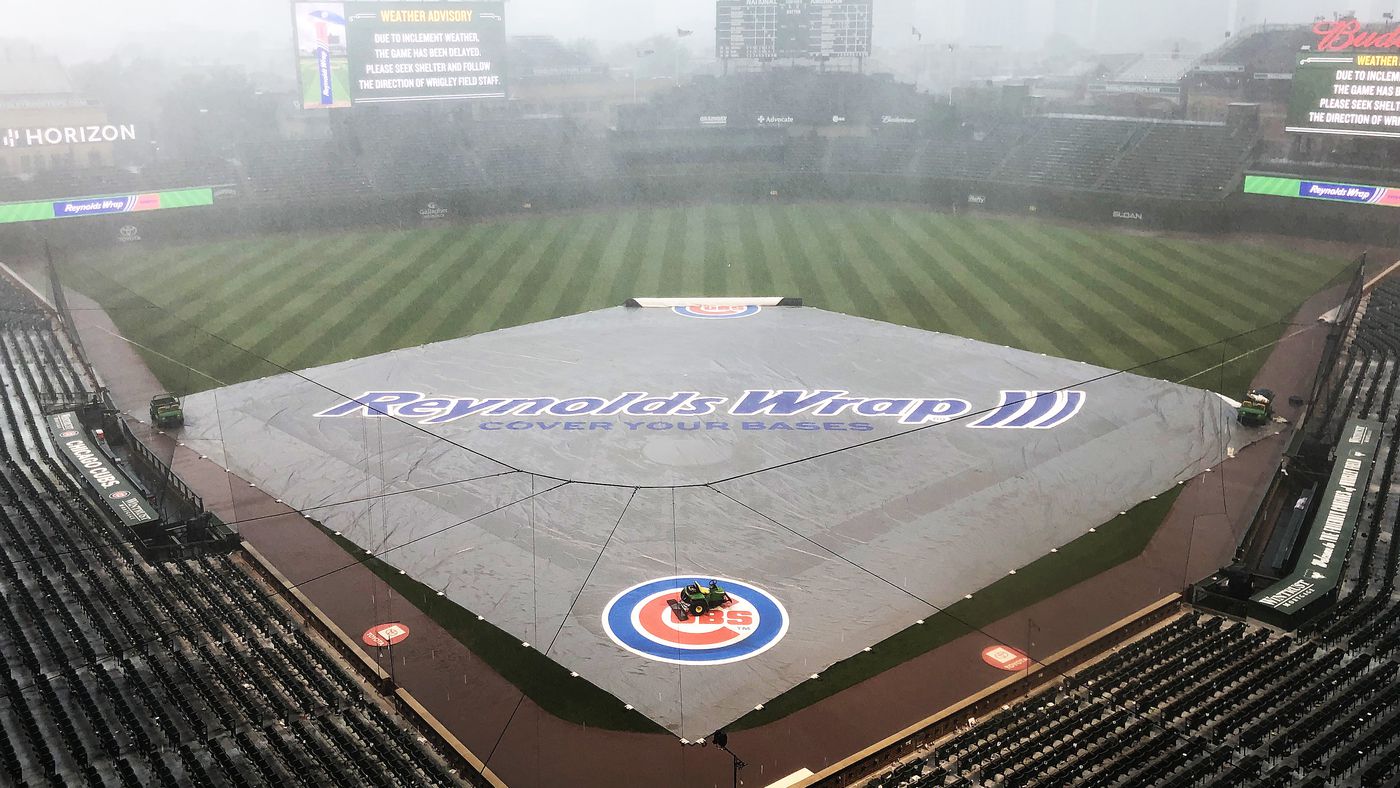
x=428, y=300
x=1233, y=311
x=361, y=321
x=858, y=296
x=491, y=304
x=1073, y=318
x=632, y=251
x=762, y=271
x=790, y=277
x=1140, y=334
x=578, y=256
x=965, y=312
x=297, y=267
x=720, y=277
x=656, y=247
x=507, y=240
x=185, y=292
x=776, y=234
x=1005, y=307
x=326, y=291
x=740, y=270
x=872, y=268
x=581, y=270
x=1149, y=288
x=1239, y=279
x=930, y=307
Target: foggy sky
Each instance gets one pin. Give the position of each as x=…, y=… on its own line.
x=86, y=30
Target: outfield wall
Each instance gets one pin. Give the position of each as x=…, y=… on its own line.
x=242, y=214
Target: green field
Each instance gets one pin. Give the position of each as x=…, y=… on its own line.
x=298, y=301
x=237, y=309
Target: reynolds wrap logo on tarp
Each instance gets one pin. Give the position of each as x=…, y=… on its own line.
x=1017, y=409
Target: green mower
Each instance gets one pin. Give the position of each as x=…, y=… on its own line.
x=697, y=601
x=1257, y=409
x=166, y=411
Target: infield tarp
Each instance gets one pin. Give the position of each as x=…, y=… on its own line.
x=857, y=472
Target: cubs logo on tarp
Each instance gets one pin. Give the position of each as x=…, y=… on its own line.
x=68, y=434
x=118, y=495
x=643, y=620
x=716, y=311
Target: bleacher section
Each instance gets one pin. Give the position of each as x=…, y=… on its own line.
x=1070, y=151
x=1155, y=69
x=1205, y=701
x=1198, y=161
x=119, y=672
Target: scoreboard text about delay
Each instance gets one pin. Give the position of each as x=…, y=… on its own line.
x=383, y=52
x=1354, y=94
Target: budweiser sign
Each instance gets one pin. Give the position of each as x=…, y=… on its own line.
x=1344, y=34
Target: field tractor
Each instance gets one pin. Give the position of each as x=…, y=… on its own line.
x=1257, y=409
x=697, y=601
x=166, y=411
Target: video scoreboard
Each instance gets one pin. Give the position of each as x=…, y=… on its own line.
x=1355, y=94
x=769, y=29
x=381, y=51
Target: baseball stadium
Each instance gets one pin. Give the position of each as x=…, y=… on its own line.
x=768, y=421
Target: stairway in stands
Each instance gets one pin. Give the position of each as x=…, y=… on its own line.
x=118, y=672
x=1206, y=701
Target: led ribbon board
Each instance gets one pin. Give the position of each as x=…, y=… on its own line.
x=70, y=208
x=1273, y=186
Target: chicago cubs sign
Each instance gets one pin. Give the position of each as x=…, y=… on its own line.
x=645, y=621
x=716, y=311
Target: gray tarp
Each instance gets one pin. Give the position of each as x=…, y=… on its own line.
x=857, y=523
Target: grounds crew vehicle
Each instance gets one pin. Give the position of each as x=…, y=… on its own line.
x=697, y=601
x=1257, y=409
x=166, y=411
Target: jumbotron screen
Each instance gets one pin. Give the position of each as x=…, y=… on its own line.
x=768, y=29
x=1354, y=93
x=374, y=52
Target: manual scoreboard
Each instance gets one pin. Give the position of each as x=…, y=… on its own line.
x=769, y=29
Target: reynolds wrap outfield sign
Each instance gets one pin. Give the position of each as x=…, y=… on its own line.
x=1273, y=186
x=118, y=494
x=97, y=206
x=1323, y=557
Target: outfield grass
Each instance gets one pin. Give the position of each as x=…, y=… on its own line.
x=300, y=301
x=234, y=310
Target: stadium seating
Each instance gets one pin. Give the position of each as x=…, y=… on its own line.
x=1181, y=161
x=1204, y=701
x=117, y=671
x=1069, y=151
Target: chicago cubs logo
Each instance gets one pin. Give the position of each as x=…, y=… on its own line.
x=118, y=495
x=68, y=434
x=716, y=311
x=649, y=620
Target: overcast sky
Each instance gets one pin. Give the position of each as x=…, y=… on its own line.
x=78, y=30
